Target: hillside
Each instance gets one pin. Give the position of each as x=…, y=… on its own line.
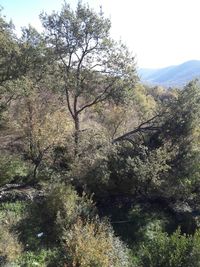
x=177, y=75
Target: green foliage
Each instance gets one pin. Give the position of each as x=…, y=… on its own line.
x=64, y=207
x=140, y=222
x=93, y=68
x=59, y=209
x=12, y=168
x=90, y=170
x=82, y=238
x=10, y=246
x=9, y=52
x=179, y=124
x=94, y=244
x=144, y=103
x=34, y=222
x=11, y=212
x=138, y=145
x=33, y=60
x=146, y=222
x=171, y=251
x=43, y=258
x=138, y=168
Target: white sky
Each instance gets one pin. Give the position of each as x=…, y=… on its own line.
x=158, y=32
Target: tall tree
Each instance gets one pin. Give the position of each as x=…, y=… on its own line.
x=93, y=67
x=9, y=54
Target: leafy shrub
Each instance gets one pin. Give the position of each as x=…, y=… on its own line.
x=10, y=248
x=59, y=209
x=11, y=213
x=147, y=221
x=15, y=216
x=68, y=221
x=11, y=167
x=35, y=221
x=64, y=206
x=93, y=244
x=90, y=169
x=176, y=250
x=43, y=258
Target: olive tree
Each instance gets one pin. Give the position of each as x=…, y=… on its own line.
x=92, y=67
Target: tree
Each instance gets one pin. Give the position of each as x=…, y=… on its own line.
x=19, y=58
x=92, y=67
x=9, y=52
x=9, y=71
x=40, y=124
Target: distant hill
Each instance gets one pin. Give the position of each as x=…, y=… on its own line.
x=177, y=75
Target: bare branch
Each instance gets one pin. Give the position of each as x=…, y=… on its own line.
x=141, y=128
x=101, y=97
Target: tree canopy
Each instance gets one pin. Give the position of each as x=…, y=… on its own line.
x=93, y=67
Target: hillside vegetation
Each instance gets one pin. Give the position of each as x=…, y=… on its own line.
x=96, y=169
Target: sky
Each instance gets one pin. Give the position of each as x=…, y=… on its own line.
x=158, y=32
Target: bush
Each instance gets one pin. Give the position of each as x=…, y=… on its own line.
x=11, y=213
x=176, y=250
x=10, y=248
x=93, y=244
x=43, y=258
x=59, y=209
x=12, y=167
x=148, y=221
x=64, y=206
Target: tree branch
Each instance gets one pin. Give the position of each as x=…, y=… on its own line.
x=98, y=99
x=141, y=128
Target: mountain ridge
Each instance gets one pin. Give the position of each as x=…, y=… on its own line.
x=175, y=75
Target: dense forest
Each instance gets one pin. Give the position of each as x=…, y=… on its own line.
x=96, y=169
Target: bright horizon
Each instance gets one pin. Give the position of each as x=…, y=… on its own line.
x=159, y=32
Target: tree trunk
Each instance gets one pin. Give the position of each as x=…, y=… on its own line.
x=35, y=171
x=76, y=134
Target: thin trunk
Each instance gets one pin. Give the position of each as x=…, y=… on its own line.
x=76, y=134
x=37, y=163
x=35, y=171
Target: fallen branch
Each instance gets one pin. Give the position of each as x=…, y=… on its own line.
x=146, y=126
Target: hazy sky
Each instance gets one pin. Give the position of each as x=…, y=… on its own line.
x=158, y=32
